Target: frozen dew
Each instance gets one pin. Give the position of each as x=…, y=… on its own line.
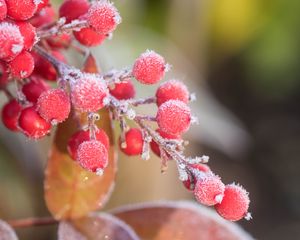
x=193, y=97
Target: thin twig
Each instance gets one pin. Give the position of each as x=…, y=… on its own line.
x=31, y=222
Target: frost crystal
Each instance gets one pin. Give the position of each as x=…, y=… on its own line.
x=131, y=114
x=193, y=97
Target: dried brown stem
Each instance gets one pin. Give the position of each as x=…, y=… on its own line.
x=31, y=222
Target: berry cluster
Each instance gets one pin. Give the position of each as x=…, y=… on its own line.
x=30, y=43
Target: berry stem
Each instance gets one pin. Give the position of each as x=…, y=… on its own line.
x=31, y=222
x=142, y=101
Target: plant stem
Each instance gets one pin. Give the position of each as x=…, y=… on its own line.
x=31, y=222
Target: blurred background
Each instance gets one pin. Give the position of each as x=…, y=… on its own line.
x=241, y=58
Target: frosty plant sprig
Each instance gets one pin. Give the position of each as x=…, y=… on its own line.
x=30, y=43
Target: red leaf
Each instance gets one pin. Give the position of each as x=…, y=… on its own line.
x=180, y=221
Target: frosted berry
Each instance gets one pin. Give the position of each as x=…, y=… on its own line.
x=209, y=189
x=54, y=105
x=33, y=89
x=123, y=90
x=32, y=124
x=42, y=4
x=73, y=9
x=81, y=136
x=92, y=155
x=154, y=146
x=21, y=9
x=88, y=93
x=89, y=37
x=43, y=17
x=60, y=41
x=172, y=89
x=11, y=41
x=10, y=114
x=45, y=68
x=28, y=32
x=174, y=117
x=149, y=68
x=103, y=17
x=3, y=74
x=22, y=65
x=235, y=203
x=134, y=142
x=3, y=10
x=198, y=168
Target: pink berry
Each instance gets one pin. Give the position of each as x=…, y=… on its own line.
x=149, y=68
x=81, y=136
x=11, y=41
x=235, y=203
x=88, y=93
x=54, y=105
x=22, y=65
x=32, y=124
x=123, y=90
x=154, y=146
x=21, y=9
x=198, y=168
x=92, y=155
x=28, y=32
x=89, y=37
x=209, y=189
x=43, y=17
x=73, y=9
x=10, y=114
x=3, y=10
x=174, y=117
x=60, y=41
x=33, y=89
x=103, y=17
x=134, y=142
x=172, y=89
x=3, y=74
x=44, y=68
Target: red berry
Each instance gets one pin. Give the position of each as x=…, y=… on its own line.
x=3, y=74
x=60, y=41
x=88, y=93
x=89, y=37
x=10, y=114
x=21, y=9
x=123, y=90
x=190, y=183
x=73, y=9
x=22, y=65
x=54, y=105
x=29, y=34
x=33, y=89
x=149, y=68
x=32, y=124
x=81, y=136
x=154, y=146
x=45, y=68
x=11, y=41
x=3, y=10
x=209, y=189
x=174, y=117
x=134, y=142
x=172, y=89
x=43, y=17
x=103, y=17
x=92, y=155
x=235, y=203
x=42, y=4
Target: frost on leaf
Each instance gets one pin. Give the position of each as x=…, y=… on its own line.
x=6, y=232
x=96, y=227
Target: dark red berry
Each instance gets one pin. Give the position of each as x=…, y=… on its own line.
x=134, y=142
x=10, y=114
x=123, y=90
x=73, y=9
x=89, y=37
x=33, y=89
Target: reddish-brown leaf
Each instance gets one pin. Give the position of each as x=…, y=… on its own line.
x=70, y=191
x=180, y=221
x=6, y=232
x=96, y=227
